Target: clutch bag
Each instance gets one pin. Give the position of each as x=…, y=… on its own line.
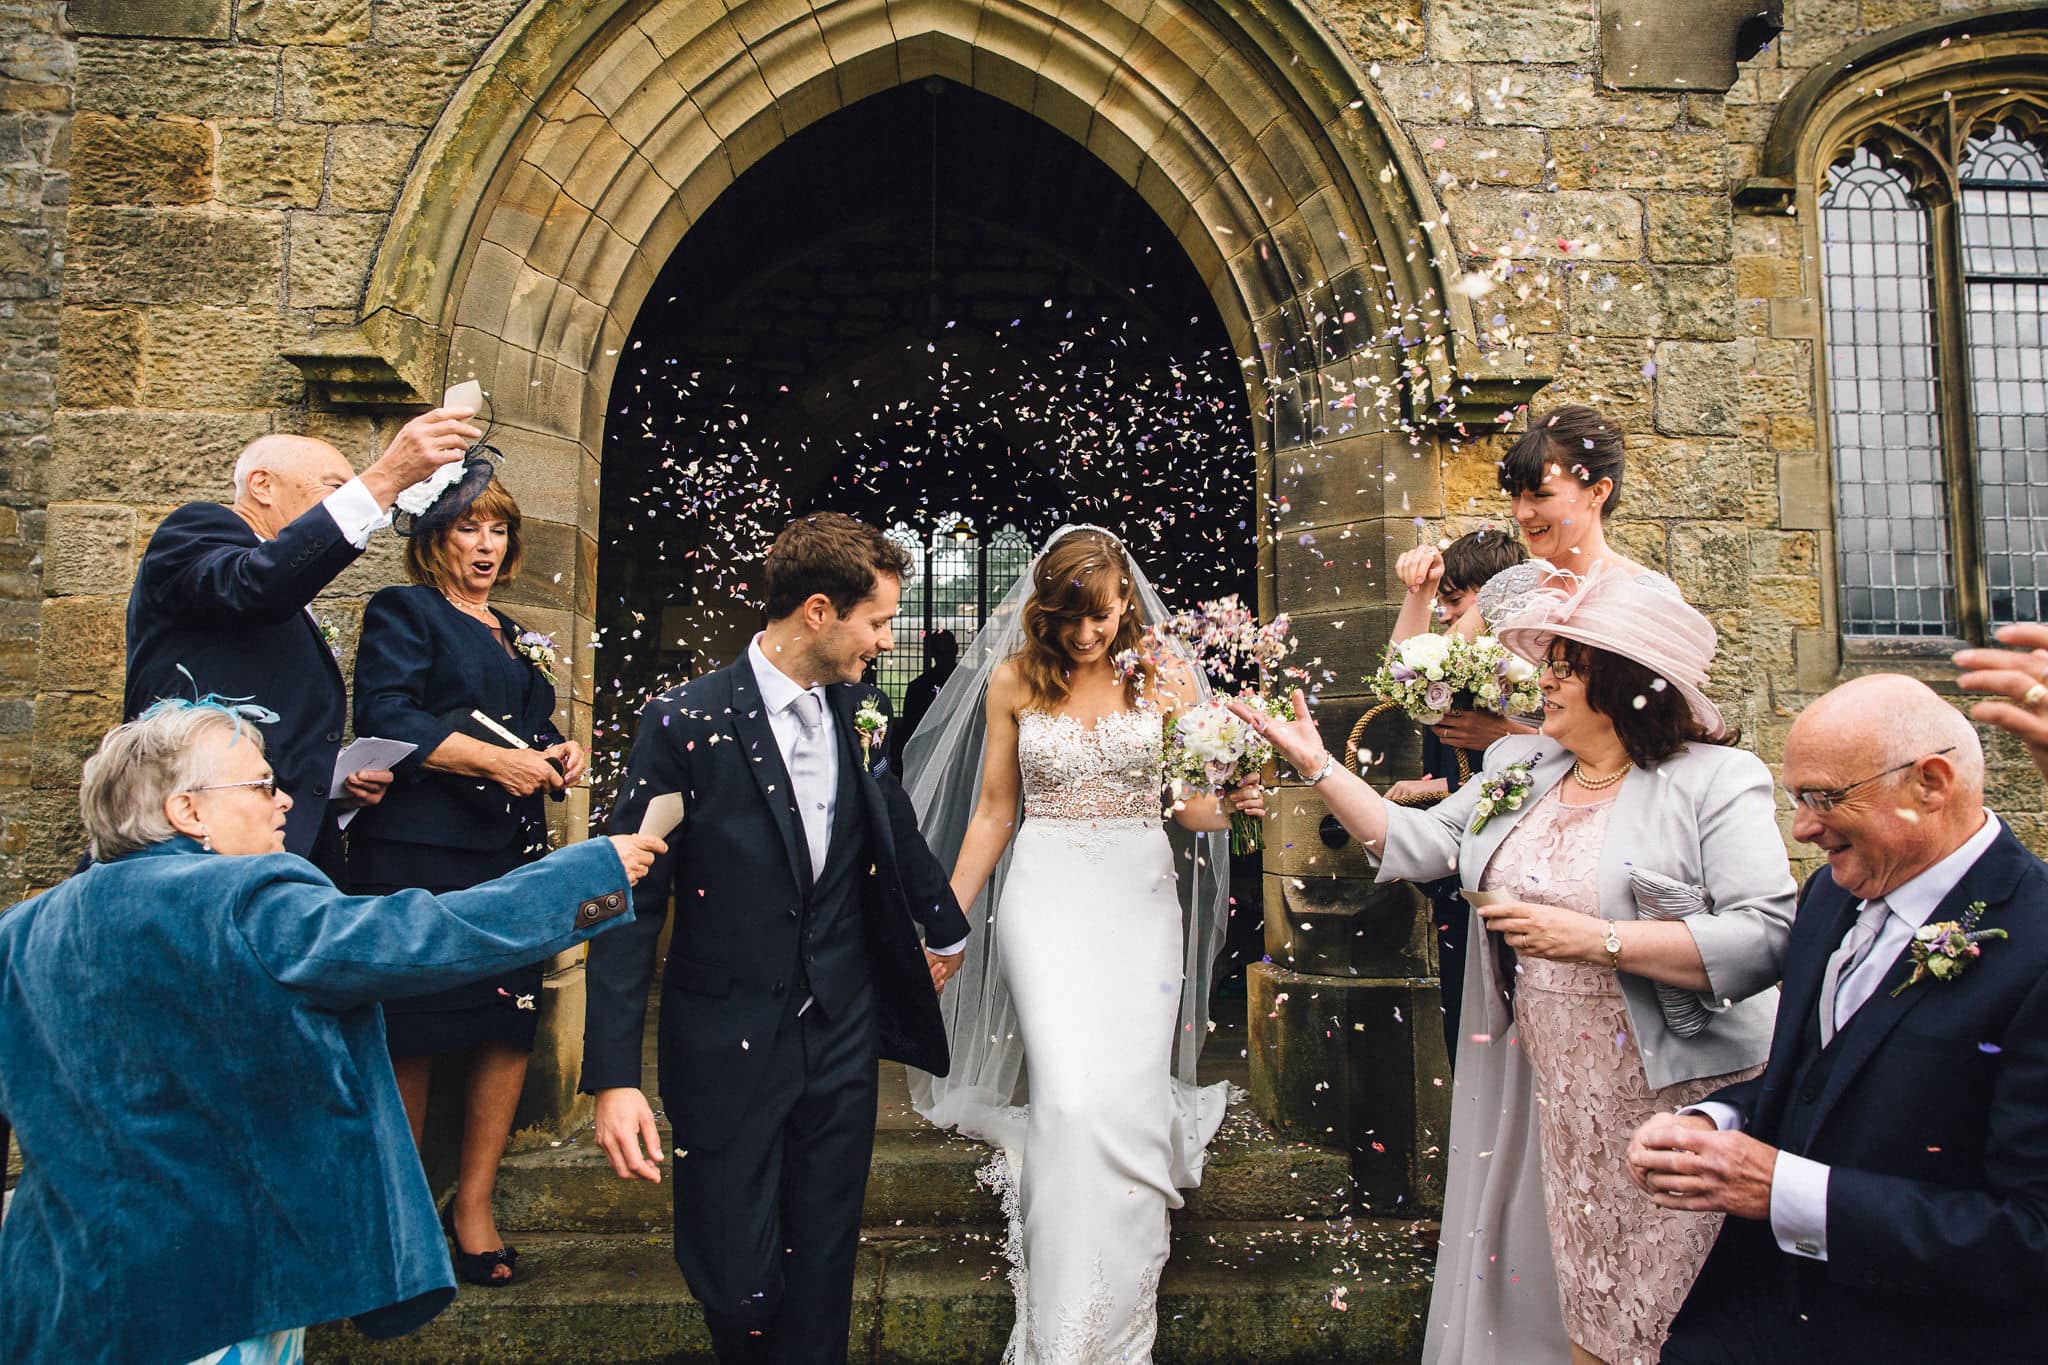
x=1664, y=898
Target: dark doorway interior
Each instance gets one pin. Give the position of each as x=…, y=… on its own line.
x=939, y=314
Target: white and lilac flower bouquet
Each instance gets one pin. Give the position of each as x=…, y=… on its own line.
x=1429, y=676
x=1209, y=750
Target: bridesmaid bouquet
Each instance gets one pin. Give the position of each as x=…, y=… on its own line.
x=1209, y=750
x=1429, y=676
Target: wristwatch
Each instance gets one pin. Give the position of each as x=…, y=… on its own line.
x=1612, y=943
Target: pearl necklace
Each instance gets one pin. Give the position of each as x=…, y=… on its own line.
x=480, y=610
x=1588, y=784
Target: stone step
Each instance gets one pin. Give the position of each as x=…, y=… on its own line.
x=1280, y=1294
x=922, y=1177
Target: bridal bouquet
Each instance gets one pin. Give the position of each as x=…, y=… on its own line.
x=1429, y=676
x=1209, y=750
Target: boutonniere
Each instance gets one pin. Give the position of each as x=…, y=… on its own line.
x=1944, y=951
x=538, y=650
x=1501, y=791
x=331, y=635
x=872, y=726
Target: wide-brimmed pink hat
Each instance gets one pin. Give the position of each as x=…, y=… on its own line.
x=1638, y=617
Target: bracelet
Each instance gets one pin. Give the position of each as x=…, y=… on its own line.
x=1329, y=766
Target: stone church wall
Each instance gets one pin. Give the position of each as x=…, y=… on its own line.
x=230, y=168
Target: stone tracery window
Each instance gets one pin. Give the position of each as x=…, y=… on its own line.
x=1934, y=240
x=956, y=579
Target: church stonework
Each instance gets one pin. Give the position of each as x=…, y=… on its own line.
x=304, y=215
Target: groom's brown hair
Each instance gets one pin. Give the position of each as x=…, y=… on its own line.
x=829, y=553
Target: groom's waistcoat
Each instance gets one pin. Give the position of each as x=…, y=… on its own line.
x=831, y=952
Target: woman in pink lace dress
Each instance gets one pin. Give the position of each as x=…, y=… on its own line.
x=1635, y=899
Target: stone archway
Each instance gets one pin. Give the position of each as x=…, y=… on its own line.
x=591, y=135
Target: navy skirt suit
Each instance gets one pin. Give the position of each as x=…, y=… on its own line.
x=420, y=664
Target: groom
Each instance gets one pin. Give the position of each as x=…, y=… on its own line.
x=800, y=883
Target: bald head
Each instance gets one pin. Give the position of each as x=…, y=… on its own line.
x=280, y=478
x=1907, y=771
x=1891, y=719
x=283, y=454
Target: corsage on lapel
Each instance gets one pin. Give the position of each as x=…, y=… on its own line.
x=1944, y=951
x=872, y=726
x=1501, y=791
x=538, y=650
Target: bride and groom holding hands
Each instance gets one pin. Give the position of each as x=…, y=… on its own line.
x=1072, y=941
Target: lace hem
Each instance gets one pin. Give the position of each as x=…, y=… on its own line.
x=1084, y=1330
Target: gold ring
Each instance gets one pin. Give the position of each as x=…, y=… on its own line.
x=2035, y=694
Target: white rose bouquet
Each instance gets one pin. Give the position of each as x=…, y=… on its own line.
x=1209, y=751
x=1429, y=676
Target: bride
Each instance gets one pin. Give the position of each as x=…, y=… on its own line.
x=1040, y=763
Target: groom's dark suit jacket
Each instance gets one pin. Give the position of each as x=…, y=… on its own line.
x=745, y=947
x=1931, y=1109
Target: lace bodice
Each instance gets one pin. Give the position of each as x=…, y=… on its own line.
x=1073, y=772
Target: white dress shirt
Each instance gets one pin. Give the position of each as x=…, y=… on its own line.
x=356, y=512
x=778, y=692
x=1799, y=1185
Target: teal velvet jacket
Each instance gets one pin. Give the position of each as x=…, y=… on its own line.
x=193, y=1059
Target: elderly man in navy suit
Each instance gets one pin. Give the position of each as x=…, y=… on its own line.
x=1886, y=1176
x=222, y=600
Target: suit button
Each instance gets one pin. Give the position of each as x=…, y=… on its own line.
x=590, y=911
x=334, y=736
x=611, y=902
x=778, y=988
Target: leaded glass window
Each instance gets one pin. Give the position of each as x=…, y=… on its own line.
x=1890, y=502
x=957, y=577
x=2005, y=277
x=1935, y=279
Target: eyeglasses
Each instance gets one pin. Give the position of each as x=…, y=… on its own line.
x=268, y=785
x=1561, y=669
x=1821, y=800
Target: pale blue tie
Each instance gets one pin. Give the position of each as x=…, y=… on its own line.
x=810, y=776
x=1847, y=958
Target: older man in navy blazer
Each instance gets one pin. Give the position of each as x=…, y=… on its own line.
x=1887, y=1174
x=222, y=596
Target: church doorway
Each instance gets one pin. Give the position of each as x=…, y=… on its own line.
x=935, y=312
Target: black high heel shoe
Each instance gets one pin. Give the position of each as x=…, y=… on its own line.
x=476, y=1267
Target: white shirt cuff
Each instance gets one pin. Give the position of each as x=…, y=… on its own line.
x=356, y=512
x=1726, y=1117
x=959, y=947
x=1799, y=1206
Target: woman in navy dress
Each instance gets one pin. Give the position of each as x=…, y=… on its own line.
x=461, y=811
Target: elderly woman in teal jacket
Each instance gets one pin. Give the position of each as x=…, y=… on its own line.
x=215, y=1156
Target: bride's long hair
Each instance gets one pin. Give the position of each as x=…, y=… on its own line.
x=1083, y=574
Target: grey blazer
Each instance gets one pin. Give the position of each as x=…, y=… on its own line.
x=1706, y=816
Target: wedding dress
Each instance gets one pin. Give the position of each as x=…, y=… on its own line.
x=1090, y=930
x=1081, y=1006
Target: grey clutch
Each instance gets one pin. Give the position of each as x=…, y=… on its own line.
x=1660, y=897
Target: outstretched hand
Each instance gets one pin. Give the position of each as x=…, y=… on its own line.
x=1298, y=740
x=421, y=446
x=637, y=852
x=2011, y=675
